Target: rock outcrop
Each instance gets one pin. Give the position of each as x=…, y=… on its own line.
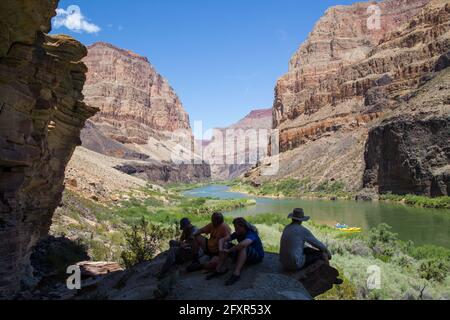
x=167, y=172
x=266, y=281
x=41, y=116
x=408, y=156
x=139, y=111
x=348, y=77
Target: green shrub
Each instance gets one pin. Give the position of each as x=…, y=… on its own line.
x=383, y=242
x=428, y=252
x=419, y=201
x=346, y=291
x=144, y=241
x=98, y=250
x=330, y=187
x=433, y=270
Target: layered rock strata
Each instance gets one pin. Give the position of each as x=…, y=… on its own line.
x=141, y=118
x=348, y=77
x=41, y=115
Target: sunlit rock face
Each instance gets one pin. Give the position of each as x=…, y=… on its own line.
x=234, y=150
x=141, y=118
x=137, y=105
x=347, y=77
x=128, y=90
x=41, y=115
x=344, y=36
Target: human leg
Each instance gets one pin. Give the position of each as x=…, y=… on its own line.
x=241, y=261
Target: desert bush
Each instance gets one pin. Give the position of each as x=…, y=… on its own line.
x=383, y=242
x=433, y=270
x=428, y=252
x=144, y=241
x=346, y=291
x=358, y=247
x=330, y=187
x=99, y=251
x=270, y=236
x=403, y=260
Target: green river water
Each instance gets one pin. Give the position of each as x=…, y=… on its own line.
x=422, y=226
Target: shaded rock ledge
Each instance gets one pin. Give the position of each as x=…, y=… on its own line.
x=266, y=281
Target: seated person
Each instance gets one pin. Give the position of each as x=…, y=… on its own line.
x=248, y=251
x=181, y=251
x=216, y=230
x=293, y=254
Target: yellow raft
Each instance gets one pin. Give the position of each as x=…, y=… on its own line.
x=351, y=229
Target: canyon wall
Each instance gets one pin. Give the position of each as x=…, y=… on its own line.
x=234, y=150
x=141, y=119
x=41, y=116
x=350, y=75
x=342, y=37
x=130, y=93
x=407, y=156
x=409, y=153
x=138, y=109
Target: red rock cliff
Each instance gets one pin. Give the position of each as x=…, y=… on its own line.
x=126, y=88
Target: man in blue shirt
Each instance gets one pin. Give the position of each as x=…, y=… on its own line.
x=248, y=251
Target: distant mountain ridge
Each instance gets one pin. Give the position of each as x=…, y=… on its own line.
x=219, y=154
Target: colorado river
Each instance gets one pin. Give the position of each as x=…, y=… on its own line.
x=422, y=226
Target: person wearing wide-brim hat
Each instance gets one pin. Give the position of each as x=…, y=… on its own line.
x=298, y=215
x=294, y=255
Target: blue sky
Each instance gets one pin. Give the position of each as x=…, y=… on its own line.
x=222, y=57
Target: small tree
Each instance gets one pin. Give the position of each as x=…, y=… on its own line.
x=143, y=242
x=433, y=270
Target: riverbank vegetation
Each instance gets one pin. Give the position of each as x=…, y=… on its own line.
x=419, y=201
x=101, y=228
x=293, y=188
x=141, y=226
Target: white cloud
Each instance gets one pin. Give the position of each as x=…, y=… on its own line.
x=74, y=20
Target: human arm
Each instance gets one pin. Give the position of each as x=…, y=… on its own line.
x=250, y=237
x=242, y=245
x=312, y=240
x=222, y=242
x=204, y=230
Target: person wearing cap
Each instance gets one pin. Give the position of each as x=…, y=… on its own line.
x=183, y=250
x=294, y=255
